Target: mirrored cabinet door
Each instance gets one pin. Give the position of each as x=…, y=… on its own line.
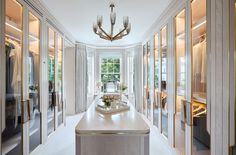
x=51, y=81
x=201, y=137
x=234, y=147
x=59, y=79
x=164, y=104
x=144, y=80
x=148, y=81
x=180, y=81
x=156, y=105
x=34, y=81
x=12, y=118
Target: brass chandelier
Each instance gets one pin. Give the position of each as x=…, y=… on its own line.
x=97, y=27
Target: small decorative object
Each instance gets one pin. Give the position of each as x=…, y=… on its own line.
x=123, y=88
x=99, y=85
x=108, y=99
x=33, y=87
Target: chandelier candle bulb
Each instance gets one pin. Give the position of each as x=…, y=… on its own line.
x=95, y=28
x=99, y=21
x=128, y=29
x=113, y=18
x=125, y=21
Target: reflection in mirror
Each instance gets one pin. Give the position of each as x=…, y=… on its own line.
x=164, y=104
x=156, y=110
x=180, y=79
x=33, y=82
x=148, y=81
x=51, y=81
x=201, y=138
x=11, y=124
x=145, y=93
x=59, y=79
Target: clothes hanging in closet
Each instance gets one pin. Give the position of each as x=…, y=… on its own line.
x=13, y=81
x=204, y=62
x=199, y=65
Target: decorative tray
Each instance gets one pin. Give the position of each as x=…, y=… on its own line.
x=114, y=108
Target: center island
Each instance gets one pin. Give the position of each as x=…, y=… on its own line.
x=123, y=133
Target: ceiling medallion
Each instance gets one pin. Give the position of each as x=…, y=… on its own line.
x=97, y=28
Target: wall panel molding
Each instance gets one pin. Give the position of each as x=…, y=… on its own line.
x=219, y=78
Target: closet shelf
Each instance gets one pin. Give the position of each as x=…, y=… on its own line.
x=195, y=27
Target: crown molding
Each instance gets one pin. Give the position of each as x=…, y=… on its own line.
x=110, y=47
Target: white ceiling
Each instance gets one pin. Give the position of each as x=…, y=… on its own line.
x=77, y=16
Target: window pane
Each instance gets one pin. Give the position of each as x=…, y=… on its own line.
x=116, y=60
x=110, y=68
x=104, y=68
x=110, y=60
x=104, y=60
x=116, y=68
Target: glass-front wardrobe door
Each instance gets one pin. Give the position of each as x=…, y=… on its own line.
x=164, y=104
x=59, y=79
x=156, y=105
x=180, y=82
x=201, y=137
x=51, y=81
x=234, y=37
x=144, y=80
x=148, y=81
x=33, y=81
x=12, y=122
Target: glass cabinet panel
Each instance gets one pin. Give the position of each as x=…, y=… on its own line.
x=148, y=81
x=51, y=81
x=59, y=80
x=156, y=110
x=145, y=80
x=12, y=117
x=180, y=79
x=201, y=138
x=33, y=81
x=164, y=104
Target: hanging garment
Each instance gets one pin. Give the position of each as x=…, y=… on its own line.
x=197, y=59
x=9, y=69
x=197, y=66
x=204, y=62
x=15, y=55
x=9, y=89
x=16, y=79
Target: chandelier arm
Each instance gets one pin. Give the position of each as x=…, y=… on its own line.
x=117, y=38
x=104, y=37
x=119, y=33
x=105, y=32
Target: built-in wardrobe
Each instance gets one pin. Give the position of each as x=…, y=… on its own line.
x=185, y=84
x=146, y=80
x=32, y=101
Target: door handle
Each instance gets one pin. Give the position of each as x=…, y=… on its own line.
x=183, y=111
x=54, y=99
x=24, y=113
x=29, y=109
x=189, y=113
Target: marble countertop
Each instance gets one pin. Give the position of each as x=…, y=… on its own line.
x=127, y=122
